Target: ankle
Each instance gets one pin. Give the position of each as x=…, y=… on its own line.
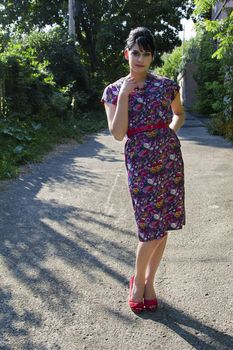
x=149, y=283
x=139, y=281
x=149, y=292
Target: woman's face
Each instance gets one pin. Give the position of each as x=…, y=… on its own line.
x=139, y=59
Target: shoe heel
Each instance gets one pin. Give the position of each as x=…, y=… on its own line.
x=136, y=306
x=151, y=305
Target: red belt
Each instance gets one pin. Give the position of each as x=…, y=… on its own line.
x=149, y=127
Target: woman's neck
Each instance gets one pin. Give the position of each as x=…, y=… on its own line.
x=139, y=77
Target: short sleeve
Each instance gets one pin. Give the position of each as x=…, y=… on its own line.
x=110, y=95
x=171, y=89
x=175, y=89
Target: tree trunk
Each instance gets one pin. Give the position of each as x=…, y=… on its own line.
x=71, y=5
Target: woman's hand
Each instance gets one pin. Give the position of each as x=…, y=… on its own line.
x=128, y=86
x=118, y=115
x=178, y=113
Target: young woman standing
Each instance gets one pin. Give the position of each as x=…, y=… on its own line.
x=147, y=109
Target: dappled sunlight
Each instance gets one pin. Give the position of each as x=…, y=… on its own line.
x=16, y=324
x=68, y=242
x=54, y=241
x=70, y=234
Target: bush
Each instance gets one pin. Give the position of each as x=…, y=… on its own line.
x=172, y=64
x=219, y=126
x=40, y=75
x=45, y=97
x=29, y=87
x=23, y=142
x=61, y=53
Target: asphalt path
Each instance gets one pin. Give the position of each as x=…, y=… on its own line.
x=67, y=250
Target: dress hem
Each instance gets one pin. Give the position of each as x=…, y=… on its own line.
x=161, y=235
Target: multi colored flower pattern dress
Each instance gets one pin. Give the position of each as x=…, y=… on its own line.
x=153, y=158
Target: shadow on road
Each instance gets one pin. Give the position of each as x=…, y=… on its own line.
x=194, y=332
x=34, y=231
x=15, y=324
x=96, y=150
x=194, y=129
x=27, y=244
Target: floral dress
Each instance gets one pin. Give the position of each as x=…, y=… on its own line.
x=153, y=158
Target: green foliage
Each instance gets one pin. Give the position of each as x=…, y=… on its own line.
x=61, y=54
x=23, y=142
x=203, y=7
x=4, y=38
x=40, y=73
x=44, y=97
x=29, y=86
x=222, y=32
x=172, y=64
x=222, y=127
x=175, y=62
x=25, y=15
x=218, y=83
x=113, y=22
x=209, y=75
x=213, y=87
x=102, y=26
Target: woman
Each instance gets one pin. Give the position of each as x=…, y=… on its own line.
x=147, y=108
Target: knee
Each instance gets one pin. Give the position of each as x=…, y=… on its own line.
x=154, y=242
x=164, y=238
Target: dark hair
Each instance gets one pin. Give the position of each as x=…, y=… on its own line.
x=143, y=37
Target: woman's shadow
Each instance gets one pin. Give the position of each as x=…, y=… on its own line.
x=194, y=332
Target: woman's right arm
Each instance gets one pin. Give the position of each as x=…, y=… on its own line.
x=118, y=115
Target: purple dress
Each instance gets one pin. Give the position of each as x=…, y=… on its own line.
x=153, y=159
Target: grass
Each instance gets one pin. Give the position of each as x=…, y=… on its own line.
x=26, y=142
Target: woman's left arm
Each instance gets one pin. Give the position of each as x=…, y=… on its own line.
x=178, y=113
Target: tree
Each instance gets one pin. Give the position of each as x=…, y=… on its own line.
x=222, y=30
x=172, y=63
x=222, y=33
x=71, y=5
x=25, y=15
x=103, y=26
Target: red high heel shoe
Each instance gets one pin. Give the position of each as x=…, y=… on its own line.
x=151, y=305
x=136, y=306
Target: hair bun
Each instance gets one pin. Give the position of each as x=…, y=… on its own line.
x=143, y=37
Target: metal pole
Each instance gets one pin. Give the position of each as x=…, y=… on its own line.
x=71, y=5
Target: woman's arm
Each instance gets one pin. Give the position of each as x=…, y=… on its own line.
x=178, y=113
x=118, y=115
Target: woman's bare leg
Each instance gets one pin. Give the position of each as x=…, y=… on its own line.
x=152, y=267
x=144, y=253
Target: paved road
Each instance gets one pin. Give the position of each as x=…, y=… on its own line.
x=68, y=241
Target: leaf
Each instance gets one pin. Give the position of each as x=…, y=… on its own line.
x=36, y=126
x=7, y=132
x=19, y=137
x=28, y=138
x=18, y=149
